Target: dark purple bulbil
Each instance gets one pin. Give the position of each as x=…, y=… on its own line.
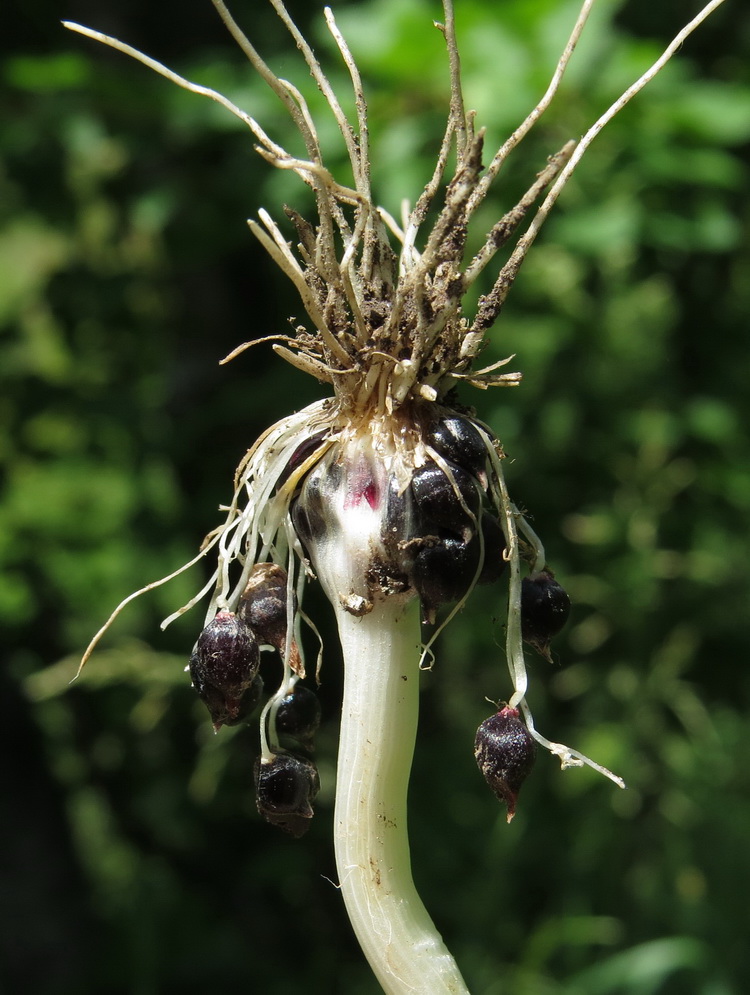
x=445, y=566
x=458, y=440
x=286, y=787
x=438, y=534
x=228, y=711
x=505, y=752
x=223, y=668
x=439, y=505
x=545, y=607
x=298, y=715
x=263, y=605
x=442, y=572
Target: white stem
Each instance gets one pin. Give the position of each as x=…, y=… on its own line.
x=380, y=639
x=378, y=728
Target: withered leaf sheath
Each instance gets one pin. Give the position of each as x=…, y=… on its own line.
x=505, y=752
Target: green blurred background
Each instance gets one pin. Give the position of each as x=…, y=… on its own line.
x=132, y=858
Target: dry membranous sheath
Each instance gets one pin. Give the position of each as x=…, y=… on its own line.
x=388, y=493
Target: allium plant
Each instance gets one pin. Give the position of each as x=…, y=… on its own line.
x=389, y=493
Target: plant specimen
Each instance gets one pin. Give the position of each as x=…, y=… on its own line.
x=389, y=493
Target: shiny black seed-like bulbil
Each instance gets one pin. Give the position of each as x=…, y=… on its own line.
x=263, y=605
x=545, y=607
x=458, y=440
x=444, y=568
x=298, y=715
x=442, y=573
x=286, y=787
x=224, y=665
x=505, y=752
x=438, y=504
x=248, y=702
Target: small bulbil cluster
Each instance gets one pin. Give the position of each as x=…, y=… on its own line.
x=224, y=670
x=434, y=525
x=440, y=532
x=458, y=541
x=431, y=511
x=286, y=780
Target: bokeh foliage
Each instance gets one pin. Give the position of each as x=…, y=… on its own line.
x=133, y=859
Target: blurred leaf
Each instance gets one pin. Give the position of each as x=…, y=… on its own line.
x=48, y=73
